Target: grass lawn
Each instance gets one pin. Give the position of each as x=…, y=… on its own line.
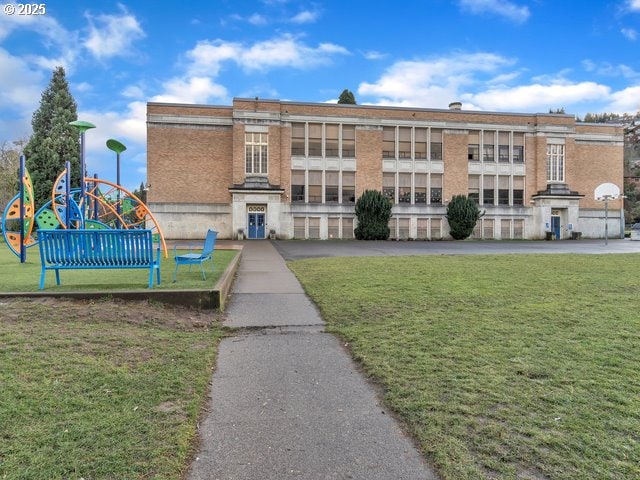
x=25, y=277
x=101, y=390
x=502, y=367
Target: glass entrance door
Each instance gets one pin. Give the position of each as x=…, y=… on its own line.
x=256, y=225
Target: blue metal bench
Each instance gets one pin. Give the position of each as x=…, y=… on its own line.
x=192, y=258
x=103, y=249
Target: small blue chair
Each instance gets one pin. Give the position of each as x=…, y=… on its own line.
x=196, y=258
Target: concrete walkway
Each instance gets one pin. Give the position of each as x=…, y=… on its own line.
x=287, y=401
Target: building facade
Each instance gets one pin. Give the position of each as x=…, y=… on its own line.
x=294, y=170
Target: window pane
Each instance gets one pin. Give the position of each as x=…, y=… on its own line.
x=505, y=229
x=297, y=185
x=315, y=187
x=333, y=224
x=403, y=228
x=348, y=187
x=436, y=151
x=331, y=141
x=420, y=188
x=422, y=232
x=331, y=187
x=474, y=188
x=299, y=227
x=347, y=227
x=348, y=141
x=488, y=229
x=473, y=152
x=315, y=139
x=436, y=189
x=389, y=186
x=404, y=145
x=488, y=153
x=404, y=188
x=503, y=153
x=488, y=187
x=388, y=142
x=436, y=229
x=314, y=228
x=297, y=139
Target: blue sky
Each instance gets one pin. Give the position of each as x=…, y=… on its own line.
x=492, y=55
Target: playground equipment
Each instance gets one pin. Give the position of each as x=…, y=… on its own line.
x=97, y=204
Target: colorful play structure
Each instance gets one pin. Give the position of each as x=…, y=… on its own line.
x=97, y=204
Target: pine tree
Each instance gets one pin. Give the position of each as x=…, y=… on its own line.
x=462, y=214
x=347, y=97
x=373, y=211
x=54, y=141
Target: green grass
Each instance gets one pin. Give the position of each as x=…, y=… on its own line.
x=101, y=390
x=25, y=277
x=502, y=367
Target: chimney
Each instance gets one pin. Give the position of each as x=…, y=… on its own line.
x=455, y=106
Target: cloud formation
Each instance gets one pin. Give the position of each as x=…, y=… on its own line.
x=501, y=8
x=112, y=35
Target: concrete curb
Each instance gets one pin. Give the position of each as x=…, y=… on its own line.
x=202, y=299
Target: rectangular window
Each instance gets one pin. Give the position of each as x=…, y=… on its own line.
x=404, y=143
x=422, y=231
x=404, y=188
x=333, y=227
x=256, y=153
x=488, y=188
x=331, y=187
x=331, y=145
x=392, y=229
x=436, y=229
x=315, y=187
x=315, y=139
x=518, y=190
x=403, y=228
x=389, y=186
x=388, y=142
x=505, y=229
x=477, y=230
x=503, y=147
x=436, y=144
x=503, y=190
x=474, y=146
x=436, y=189
x=347, y=228
x=518, y=148
x=297, y=186
x=487, y=230
x=555, y=163
x=299, y=228
x=420, y=191
x=488, y=153
x=474, y=188
x=348, y=187
x=314, y=228
x=518, y=229
x=297, y=139
x=420, y=143
x=348, y=141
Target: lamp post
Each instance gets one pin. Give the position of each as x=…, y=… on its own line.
x=117, y=147
x=83, y=127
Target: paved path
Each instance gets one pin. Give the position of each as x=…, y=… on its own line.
x=287, y=401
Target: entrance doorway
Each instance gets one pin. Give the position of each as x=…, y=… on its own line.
x=555, y=226
x=256, y=222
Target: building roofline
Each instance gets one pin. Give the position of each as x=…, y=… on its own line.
x=189, y=105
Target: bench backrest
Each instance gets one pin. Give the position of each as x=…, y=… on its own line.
x=96, y=247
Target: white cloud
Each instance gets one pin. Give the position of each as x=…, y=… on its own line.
x=191, y=90
x=629, y=33
x=634, y=5
x=502, y=8
x=305, y=16
x=133, y=91
x=373, y=55
x=21, y=86
x=257, y=19
x=625, y=101
x=112, y=35
x=609, y=70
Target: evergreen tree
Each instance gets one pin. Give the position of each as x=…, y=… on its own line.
x=347, y=97
x=141, y=193
x=54, y=141
x=462, y=214
x=373, y=211
x=9, y=166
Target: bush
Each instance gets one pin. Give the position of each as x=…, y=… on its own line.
x=463, y=214
x=373, y=211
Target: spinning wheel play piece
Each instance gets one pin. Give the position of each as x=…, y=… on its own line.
x=11, y=218
x=59, y=203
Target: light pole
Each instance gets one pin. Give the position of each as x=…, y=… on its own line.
x=117, y=147
x=83, y=127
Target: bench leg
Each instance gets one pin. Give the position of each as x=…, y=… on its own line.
x=57, y=276
x=151, y=277
x=158, y=275
x=42, y=278
x=175, y=273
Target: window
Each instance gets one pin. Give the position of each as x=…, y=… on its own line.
x=436, y=228
x=518, y=148
x=436, y=189
x=488, y=150
x=331, y=187
x=333, y=227
x=421, y=232
x=388, y=142
x=348, y=141
x=518, y=229
x=474, y=146
x=436, y=144
x=503, y=147
x=420, y=192
x=299, y=227
x=403, y=228
x=297, y=186
x=474, y=188
x=331, y=145
x=404, y=143
x=314, y=228
x=518, y=190
x=297, y=139
x=315, y=187
x=256, y=152
x=348, y=187
x=347, y=227
x=404, y=188
x=555, y=163
x=488, y=186
x=315, y=140
x=488, y=228
x=503, y=190
x=392, y=229
x=389, y=186
x=421, y=143
x=505, y=229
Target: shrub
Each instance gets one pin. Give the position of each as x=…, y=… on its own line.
x=373, y=211
x=463, y=214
